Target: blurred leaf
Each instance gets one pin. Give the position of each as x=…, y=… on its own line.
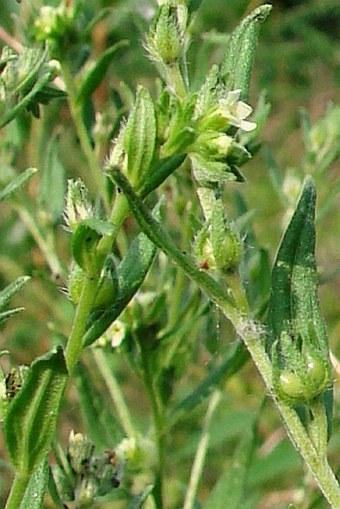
x=231, y=365
x=17, y=182
x=275, y=176
x=35, y=492
x=53, y=183
x=95, y=76
x=239, y=56
x=270, y=467
x=101, y=425
x=230, y=488
x=31, y=419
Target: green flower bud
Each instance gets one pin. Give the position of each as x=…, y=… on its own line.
x=78, y=206
x=228, y=253
x=79, y=452
x=306, y=376
x=86, y=491
x=203, y=250
x=55, y=24
x=166, y=36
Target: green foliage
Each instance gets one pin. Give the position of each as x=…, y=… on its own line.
x=135, y=117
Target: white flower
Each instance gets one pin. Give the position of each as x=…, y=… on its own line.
x=117, y=333
x=235, y=111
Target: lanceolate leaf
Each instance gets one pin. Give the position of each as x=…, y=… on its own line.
x=294, y=300
x=131, y=274
x=31, y=419
x=241, y=48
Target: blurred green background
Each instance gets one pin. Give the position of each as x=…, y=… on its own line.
x=298, y=65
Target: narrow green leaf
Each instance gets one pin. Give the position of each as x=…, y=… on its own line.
x=230, y=488
x=12, y=289
x=131, y=274
x=294, y=278
x=31, y=419
x=95, y=76
x=53, y=182
x=17, y=182
x=35, y=492
x=159, y=172
x=239, y=56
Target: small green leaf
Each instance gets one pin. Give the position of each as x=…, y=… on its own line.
x=12, y=289
x=31, y=419
x=239, y=57
x=35, y=491
x=16, y=183
x=131, y=273
x=94, y=77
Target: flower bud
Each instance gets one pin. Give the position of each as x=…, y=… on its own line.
x=78, y=206
x=306, y=373
x=80, y=450
x=165, y=39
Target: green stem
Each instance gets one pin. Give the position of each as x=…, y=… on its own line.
x=200, y=456
x=119, y=212
x=74, y=344
x=97, y=177
x=115, y=392
x=317, y=425
x=17, y=493
x=248, y=331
